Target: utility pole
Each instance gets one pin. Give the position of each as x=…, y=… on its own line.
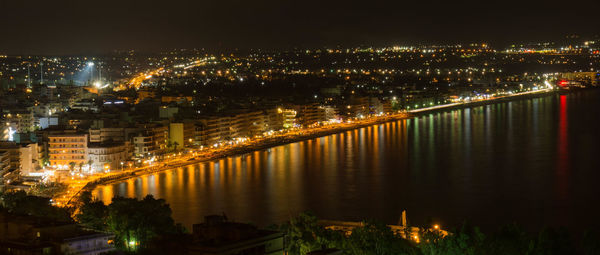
x=29, y=75
x=41, y=72
x=92, y=76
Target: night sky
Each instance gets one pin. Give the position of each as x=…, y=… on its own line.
x=86, y=27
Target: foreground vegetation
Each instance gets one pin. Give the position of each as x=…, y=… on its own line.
x=304, y=234
x=137, y=224
x=146, y=227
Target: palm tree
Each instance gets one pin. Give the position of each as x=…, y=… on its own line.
x=72, y=166
x=169, y=144
x=45, y=160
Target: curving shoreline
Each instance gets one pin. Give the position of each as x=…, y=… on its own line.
x=309, y=134
x=269, y=143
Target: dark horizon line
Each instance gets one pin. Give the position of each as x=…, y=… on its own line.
x=229, y=49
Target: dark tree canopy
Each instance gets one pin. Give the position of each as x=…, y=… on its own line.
x=135, y=223
x=19, y=202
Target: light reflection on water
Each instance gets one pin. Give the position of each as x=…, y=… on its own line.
x=532, y=161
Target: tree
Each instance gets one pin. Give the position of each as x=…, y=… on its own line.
x=509, y=239
x=172, y=145
x=303, y=234
x=45, y=160
x=591, y=242
x=18, y=202
x=375, y=238
x=90, y=163
x=135, y=223
x=169, y=144
x=467, y=240
x=47, y=189
x=72, y=166
x=92, y=213
x=551, y=241
x=430, y=241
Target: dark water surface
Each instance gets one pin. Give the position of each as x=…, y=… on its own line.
x=530, y=161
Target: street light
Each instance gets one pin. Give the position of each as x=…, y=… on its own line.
x=91, y=66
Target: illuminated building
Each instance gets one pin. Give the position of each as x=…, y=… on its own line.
x=591, y=78
x=19, y=121
x=289, y=118
x=107, y=156
x=247, y=124
x=85, y=105
x=68, y=148
x=143, y=146
x=4, y=163
x=176, y=135
x=5, y=132
x=12, y=153
x=310, y=114
x=151, y=141
x=274, y=119
x=108, y=134
x=215, y=129
x=189, y=133
x=46, y=122
x=22, y=158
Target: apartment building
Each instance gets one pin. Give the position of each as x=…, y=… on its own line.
x=152, y=140
x=247, y=124
x=13, y=153
x=115, y=134
x=215, y=129
x=289, y=118
x=4, y=165
x=107, y=156
x=182, y=133
x=310, y=114
x=143, y=146
x=67, y=148
x=273, y=119
x=19, y=121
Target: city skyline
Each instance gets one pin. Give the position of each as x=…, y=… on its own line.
x=299, y=127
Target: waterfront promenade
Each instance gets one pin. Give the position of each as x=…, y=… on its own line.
x=194, y=156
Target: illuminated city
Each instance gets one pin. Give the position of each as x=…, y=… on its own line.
x=115, y=143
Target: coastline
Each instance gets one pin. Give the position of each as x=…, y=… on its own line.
x=528, y=95
x=270, y=143
x=307, y=135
